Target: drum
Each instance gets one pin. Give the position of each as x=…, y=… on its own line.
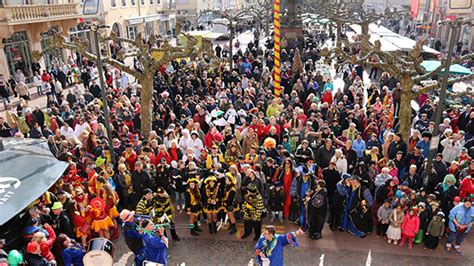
x=100, y=251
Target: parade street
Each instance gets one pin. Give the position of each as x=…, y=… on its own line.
x=336, y=248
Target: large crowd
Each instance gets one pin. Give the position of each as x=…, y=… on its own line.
x=224, y=148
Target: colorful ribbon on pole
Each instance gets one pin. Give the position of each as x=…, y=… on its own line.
x=276, y=48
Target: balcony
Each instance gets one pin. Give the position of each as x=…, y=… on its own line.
x=22, y=14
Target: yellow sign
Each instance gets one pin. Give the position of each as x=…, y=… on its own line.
x=459, y=6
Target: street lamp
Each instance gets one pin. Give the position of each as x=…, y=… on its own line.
x=454, y=27
x=94, y=27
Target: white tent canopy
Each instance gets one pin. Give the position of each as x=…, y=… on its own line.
x=389, y=40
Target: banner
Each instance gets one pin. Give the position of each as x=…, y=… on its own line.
x=415, y=4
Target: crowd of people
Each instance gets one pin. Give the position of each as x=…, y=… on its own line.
x=224, y=148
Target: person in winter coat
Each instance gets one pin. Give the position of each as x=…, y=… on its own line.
x=396, y=219
x=383, y=217
x=446, y=193
x=410, y=226
x=452, y=148
x=467, y=186
x=276, y=201
x=434, y=231
x=340, y=160
x=424, y=220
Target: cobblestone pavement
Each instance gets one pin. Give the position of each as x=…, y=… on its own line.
x=336, y=248
x=227, y=252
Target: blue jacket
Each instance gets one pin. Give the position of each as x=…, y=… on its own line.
x=155, y=249
x=462, y=215
x=359, y=147
x=72, y=256
x=276, y=254
x=425, y=147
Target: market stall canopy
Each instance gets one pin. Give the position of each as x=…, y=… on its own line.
x=430, y=65
x=313, y=18
x=389, y=40
x=27, y=170
x=206, y=34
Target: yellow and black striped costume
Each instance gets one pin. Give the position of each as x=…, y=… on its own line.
x=162, y=206
x=144, y=206
x=229, y=203
x=211, y=194
x=193, y=202
x=253, y=207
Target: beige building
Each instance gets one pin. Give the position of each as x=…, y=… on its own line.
x=25, y=26
x=128, y=17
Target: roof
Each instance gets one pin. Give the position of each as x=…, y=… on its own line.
x=28, y=169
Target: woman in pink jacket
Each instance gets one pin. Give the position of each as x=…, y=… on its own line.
x=410, y=226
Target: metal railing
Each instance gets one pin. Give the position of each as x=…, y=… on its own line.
x=39, y=12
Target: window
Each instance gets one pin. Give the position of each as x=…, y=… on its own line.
x=133, y=3
x=148, y=29
x=132, y=32
x=143, y=2
x=113, y=3
x=151, y=2
x=124, y=2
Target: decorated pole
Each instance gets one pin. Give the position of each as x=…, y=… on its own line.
x=276, y=48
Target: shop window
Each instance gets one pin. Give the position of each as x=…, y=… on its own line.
x=132, y=32
x=18, y=53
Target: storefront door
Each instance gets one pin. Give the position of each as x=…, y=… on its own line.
x=18, y=53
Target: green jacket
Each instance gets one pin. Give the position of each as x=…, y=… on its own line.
x=436, y=226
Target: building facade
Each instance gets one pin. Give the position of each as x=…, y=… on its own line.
x=25, y=26
x=128, y=17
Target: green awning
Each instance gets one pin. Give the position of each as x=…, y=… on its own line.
x=430, y=65
x=27, y=170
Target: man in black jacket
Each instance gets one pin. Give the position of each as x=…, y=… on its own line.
x=324, y=154
x=397, y=145
x=140, y=181
x=303, y=153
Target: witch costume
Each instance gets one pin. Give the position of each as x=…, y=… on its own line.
x=356, y=219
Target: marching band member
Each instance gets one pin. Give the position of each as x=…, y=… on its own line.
x=252, y=209
x=133, y=238
x=211, y=202
x=193, y=204
x=162, y=206
x=155, y=243
x=229, y=203
x=269, y=248
x=101, y=220
x=145, y=205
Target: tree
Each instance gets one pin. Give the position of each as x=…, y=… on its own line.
x=406, y=68
x=352, y=12
x=150, y=58
x=262, y=14
x=235, y=19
